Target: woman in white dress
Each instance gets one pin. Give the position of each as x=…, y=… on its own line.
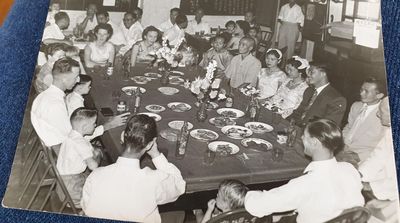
x=290, y=93
x=100, y=52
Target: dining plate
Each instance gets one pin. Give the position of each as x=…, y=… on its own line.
x=259, y=127
x=210, y=105
x=221, y=121
x=178, y=125
x=168, y=90
x=223, y=148
x=152, y=75
x=155, y=108
x=256, y=143
x=204, y=134
x=141, y=79
x=179, y=106
x=176, y=80
x=236, y=132
x=152, y=115
x=128, y=90
x=177, y=72
x=230, y=112
x=169, y=134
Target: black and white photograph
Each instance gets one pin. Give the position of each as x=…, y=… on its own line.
x=218, y=111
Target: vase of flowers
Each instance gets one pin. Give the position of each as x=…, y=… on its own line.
x=202, y=112
x=253, y=108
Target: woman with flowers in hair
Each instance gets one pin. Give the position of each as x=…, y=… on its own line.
x=290, y=93
x=271, y=77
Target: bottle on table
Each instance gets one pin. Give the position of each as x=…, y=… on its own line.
x=182, y=140
x=254, y=109
x=121, y=107
x=229, y=101
x=292, y=133
x=136, y=98
x=110, y=70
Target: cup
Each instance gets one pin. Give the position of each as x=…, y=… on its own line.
x=209, y=157
x=282, y=137
x=197, y=33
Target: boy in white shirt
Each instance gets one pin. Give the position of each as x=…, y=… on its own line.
x=54, y=9
x=77, y=154
x=74, y=99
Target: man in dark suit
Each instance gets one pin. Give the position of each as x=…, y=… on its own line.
x=320, y=100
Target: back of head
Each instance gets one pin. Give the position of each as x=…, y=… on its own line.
x=180, y=19
x=60, y=15
x=103, y=12
x=328, y=133
x=83, y=79
x=244, y=26
x=81, y=116
x=138, y=11
x=177, y=10
x=62, y=66
x=54, y=47
x=71, y=51
x=230, y=23
x=140, y=131
x=233, y=192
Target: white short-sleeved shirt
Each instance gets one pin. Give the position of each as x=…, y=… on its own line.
x=174, y=34
x=291, y=14
x=194, y=27
x=244, y=70
x=90, y=24
x=53, y=32
x=49, y=116
x=132, y=35
x=73, y=153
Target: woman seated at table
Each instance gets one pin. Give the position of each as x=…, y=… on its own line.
x=100, y=52
x=144, y=51
x=241, y=29
x=290, y=94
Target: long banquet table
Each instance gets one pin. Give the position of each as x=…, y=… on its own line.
x=258, y=168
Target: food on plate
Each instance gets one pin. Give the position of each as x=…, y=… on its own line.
x=229, y=114
x=237, y=132
x=156, y=107
x=205, y=134
x=170, y=134
x=261, y=146
x=224, y=150
x=222, y=121
x=258, y=127
x=152, y=75
x=180, y=107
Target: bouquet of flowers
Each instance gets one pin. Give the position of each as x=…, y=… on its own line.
x=165, y=53
x=208, y=86
x=250, y=91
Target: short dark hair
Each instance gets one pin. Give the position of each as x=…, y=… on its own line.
x=105, y=27
x=327, y=132
x=323, y=67
x=296, y=64
x=244, y=26
x=230, y=22
x=60, y=15
x=82, y=113
x=178, y=10
x=138, y=10
x=181, y=18
x=132, y=14
x=83, y=79
x=90, y=3
x=380, y=84
x=64, y=65
x=150, y=29
x=219, y=36
x=233, y=192
x=71, y=49
x=103, y=12
x=54, y=47
x=55, y=2
x=139, y=132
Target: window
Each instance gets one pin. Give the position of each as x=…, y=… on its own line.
x=361, y=9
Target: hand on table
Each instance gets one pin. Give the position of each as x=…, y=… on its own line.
x=116, y=121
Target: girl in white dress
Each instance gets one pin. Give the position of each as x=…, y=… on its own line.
x=271, y=77
x=100, y=52
x=290, y=93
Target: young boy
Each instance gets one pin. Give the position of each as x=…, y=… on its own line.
x=231, y=194
x=44, y=78
x=219, y=53
x=73, y=52
x=244, y=67
x=54, y=9
x=77, y=154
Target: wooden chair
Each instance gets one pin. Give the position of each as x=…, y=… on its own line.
x=239, y=215
x=265, y=42
x=352, y=215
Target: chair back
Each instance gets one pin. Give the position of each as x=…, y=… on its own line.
x=265, y=42
x=239, y=215
x=352, y=215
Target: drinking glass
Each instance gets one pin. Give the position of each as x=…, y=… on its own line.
x=209, y=157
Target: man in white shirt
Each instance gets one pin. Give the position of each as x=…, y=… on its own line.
x=88, y=21
x=124, y=191
x=379, y=171
x=53, y=33
x=176, y=33
x=197, y=25
x=326, y=188
x=291, y=21
x=364, y=130
x=132, y=31
x=173, y=13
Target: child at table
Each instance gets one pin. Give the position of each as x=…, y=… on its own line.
x=73, y=52
x=77, y=154
x=231, y=194
x=230, y=29
x=219, y=53
x=53, y=10
x=271, y=77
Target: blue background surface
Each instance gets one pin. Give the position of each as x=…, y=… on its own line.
x=19, y=44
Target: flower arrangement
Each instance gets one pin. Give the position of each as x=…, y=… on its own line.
x=165, y=53
x=250, y=91
x=208, y=86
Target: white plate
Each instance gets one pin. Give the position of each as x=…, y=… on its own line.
x=152, y=75
x=236, y=132
x=212, y=121
x=183, y=107
x=213, y=146
x=168, y=90
x=169, y=134
x=259, y=127
x=155, y=108
x=177, y=72
x=257, y=141
x=141, y=79
x=229, y=112
x=129, y=89
x=204, y=134
x=176, y=80
x=152, y=115
x=178, y=125
x=210, y=106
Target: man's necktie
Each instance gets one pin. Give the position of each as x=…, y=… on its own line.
x=310, y=103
